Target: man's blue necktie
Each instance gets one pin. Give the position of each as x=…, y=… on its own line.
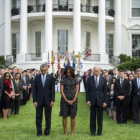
x=43, y=80
x=96, y=82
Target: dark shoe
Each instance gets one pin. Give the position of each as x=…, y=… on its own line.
x=92, y=134
x=46, y=134
x=135, y=122
x=38, y=135
x=99, y=134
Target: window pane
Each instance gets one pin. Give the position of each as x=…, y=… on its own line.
x=109, y=44
x=87, y=40
x=38, y=44
x=135, y=3
x=135, y=45
x=62, y=41
x=136, y=12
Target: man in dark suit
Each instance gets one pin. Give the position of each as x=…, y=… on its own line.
x=136, y=96
x=18, y=87
x=96, y=99
x=43, y=96
x=121, y=90
x=25, y=79
x=1, y=84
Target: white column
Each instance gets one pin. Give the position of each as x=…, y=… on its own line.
x=23, y=32
x=48, y=30
x=102, y=32
x=7, y=31
x=77, y=26
x=117, y=34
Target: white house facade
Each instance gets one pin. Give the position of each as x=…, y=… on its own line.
x=29, y=29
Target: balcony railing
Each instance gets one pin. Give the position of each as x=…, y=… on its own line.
x=9, y=60
x=36, y=8
x=64, y=8
x=93, y=57
x=115, y=60
x=33, y=57
x=88, y=9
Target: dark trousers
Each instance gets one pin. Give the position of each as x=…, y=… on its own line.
x=122, y=111
x=93, y=110
x=39, y=116
x=16, y=104
x=0, y=105
x=25, y=94
x=136, y=107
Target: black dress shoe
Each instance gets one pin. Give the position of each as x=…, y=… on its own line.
x=38, y=135
x=99, y=134
x=46, y=134
x=93, y=134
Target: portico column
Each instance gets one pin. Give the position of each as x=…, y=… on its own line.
x=102, y=32
x=117, y=34
x=77, y=26
x=7, y=30
x=23, y=32
x=48, y=30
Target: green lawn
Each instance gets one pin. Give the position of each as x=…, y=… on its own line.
x=22, y=126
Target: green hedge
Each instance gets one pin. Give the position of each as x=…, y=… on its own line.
x=132, y=64
x=2, y=61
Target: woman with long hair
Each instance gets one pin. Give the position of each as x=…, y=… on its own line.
x=69, y=90
x=6, y=94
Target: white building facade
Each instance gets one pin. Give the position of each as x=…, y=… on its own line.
x=30, y=29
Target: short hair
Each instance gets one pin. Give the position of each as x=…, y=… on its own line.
x=138, y=70
x=122, y=71
x=44, y=66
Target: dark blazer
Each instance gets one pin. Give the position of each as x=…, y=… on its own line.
x=18, y=87
x=1, y=85
x=135, y=89
x=99, y=93
x=48, y=91
x=122, y=91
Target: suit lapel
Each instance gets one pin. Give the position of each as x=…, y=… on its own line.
x=100, y=81
x=40, y=81
x=94, y=81
x=136, y=83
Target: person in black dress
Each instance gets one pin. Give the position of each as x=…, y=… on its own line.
x=69, y=90
x=6, y=95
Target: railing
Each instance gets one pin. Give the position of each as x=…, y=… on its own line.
x=36, y=8
x=9, y=60
x=92, y=57
x=66, y=8
x=115, y=60
x=87, y=9
x=33, y=57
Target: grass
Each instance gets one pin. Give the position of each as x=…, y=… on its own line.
x=22, y=126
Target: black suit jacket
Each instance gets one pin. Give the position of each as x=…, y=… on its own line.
x=40, y=92
x=98, y=94
x=135, y=89
x=122, y=91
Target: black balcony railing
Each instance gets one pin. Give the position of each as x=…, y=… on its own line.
x=33, y=57
x=36, y=8
x=87, y=9
x=66, y=8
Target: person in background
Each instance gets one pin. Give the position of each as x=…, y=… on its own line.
x=18, y=86
x=112, y=102
x=136, y=96
x=6, y=95
x=121, y=90
x=1, y=86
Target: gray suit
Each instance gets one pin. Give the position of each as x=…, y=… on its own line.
x=18, y=90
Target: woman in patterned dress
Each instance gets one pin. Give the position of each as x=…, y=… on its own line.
x=69, y=90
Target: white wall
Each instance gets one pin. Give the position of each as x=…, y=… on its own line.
x=2, y=27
